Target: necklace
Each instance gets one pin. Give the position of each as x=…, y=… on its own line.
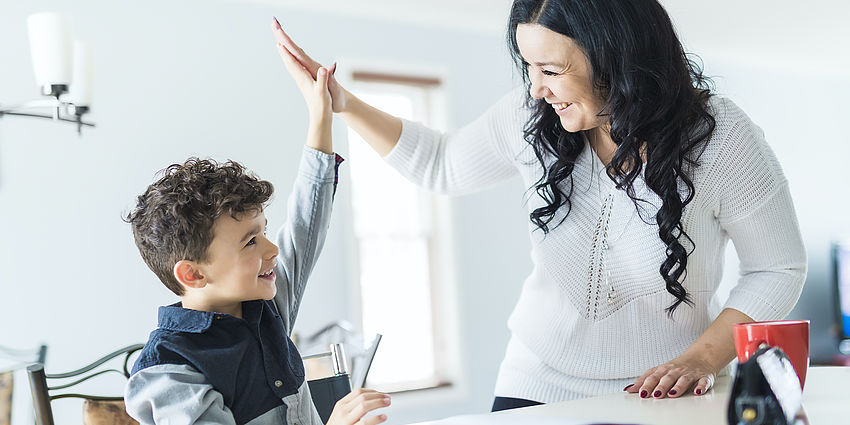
x=598, y=273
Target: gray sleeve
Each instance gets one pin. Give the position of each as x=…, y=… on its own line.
x=302, y=236
x=176, y=395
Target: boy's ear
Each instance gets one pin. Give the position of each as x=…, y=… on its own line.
x=188, y=274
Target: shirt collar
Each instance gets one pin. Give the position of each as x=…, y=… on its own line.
x=176, y=318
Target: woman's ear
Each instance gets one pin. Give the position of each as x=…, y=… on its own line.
x=189, y=275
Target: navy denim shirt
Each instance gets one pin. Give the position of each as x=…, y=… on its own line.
x=251, y=357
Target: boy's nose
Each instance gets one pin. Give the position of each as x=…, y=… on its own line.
x=272, y=250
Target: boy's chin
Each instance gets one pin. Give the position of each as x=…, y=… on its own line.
x=270, y=296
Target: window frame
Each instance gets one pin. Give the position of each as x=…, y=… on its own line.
x=440, y=246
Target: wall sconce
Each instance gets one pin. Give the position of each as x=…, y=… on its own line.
x=62, y=69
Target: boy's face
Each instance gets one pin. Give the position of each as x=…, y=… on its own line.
x=240, y=262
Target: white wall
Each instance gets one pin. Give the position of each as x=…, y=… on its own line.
x=199, y=77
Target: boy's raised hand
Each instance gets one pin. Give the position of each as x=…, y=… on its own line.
x=315, y=91
x=352, y=408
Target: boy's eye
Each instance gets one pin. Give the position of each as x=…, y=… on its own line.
x=252, y=241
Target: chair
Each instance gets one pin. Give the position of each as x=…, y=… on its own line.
x=328, y=379
x=327, y=373
x=13, y=360
x=360, y=356
x=97, y=410
x=362, y=362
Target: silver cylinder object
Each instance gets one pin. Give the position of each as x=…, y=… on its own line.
x=340, y=365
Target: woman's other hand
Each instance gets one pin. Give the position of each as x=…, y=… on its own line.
x=696, y=369
x=674, y=379
x=352, y=408
x=338, y=94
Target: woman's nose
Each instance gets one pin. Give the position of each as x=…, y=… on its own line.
x=538, y=90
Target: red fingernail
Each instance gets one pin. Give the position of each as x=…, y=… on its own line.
x=628, y=386
x=672, y=392
x=643, y=394
x=699, y=391
x=657, y=394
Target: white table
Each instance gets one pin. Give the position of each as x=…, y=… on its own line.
x=826, y=400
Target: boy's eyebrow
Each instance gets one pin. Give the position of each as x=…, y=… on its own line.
x=252, y=232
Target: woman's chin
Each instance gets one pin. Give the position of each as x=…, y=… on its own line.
x=570, y=125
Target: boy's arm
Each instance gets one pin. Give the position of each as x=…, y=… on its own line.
x=303, y=235
x=309, y=206
x=174, y=394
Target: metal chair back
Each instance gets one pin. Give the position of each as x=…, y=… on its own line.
x=43, y=394
x=12, y=360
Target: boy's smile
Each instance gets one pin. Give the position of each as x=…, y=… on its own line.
x=240, y=266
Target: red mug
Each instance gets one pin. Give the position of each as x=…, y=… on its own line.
x=792, y=336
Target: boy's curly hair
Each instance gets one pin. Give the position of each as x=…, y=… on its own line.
x=173, y=219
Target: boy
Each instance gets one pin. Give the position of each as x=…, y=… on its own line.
x=223, y=354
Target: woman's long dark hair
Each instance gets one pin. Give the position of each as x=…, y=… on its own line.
x=655, y=99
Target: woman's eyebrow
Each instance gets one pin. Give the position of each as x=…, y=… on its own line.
x=548, y=63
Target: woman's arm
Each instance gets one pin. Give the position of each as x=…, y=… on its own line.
x=378, y=128
x=753, y=206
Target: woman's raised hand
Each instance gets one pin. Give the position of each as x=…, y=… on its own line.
x=312, y=67
x=352, y=408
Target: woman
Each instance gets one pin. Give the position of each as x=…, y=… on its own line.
x=638, y=176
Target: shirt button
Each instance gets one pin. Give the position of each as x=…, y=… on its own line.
x=278, y=383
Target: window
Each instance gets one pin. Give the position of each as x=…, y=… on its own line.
x=398, y=244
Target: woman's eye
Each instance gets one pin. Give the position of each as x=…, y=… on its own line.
x=549, y=73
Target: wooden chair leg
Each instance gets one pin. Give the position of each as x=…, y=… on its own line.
x=6, y=386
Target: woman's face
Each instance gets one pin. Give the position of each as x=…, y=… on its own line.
x=560, y=74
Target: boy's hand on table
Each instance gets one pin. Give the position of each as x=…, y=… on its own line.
x=352, y=408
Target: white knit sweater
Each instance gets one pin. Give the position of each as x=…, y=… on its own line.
x=590, y=319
